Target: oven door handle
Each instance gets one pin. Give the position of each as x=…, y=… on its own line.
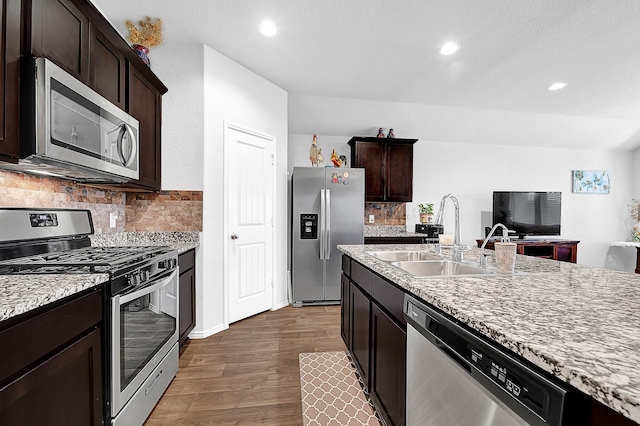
x=149, y=289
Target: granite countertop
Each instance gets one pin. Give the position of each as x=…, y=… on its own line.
x=395, y=231
x=22, y=293
x=180, y=241
x=578, y=323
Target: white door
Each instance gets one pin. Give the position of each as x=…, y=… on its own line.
x=249, y=176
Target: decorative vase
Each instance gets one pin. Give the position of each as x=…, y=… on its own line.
x=636, y=233
x=143, y=53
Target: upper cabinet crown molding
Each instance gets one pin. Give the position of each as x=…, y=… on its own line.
x=388, y=163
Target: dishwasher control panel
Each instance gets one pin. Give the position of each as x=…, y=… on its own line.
x=518, y=387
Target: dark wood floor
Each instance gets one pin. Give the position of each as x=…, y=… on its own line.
x=249, y=374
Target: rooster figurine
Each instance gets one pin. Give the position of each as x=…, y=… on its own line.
x=335, y=159
x=314, y=152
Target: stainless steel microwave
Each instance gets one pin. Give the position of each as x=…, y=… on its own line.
x=69, y=130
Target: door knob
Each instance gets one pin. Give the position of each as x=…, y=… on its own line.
x=234, y=236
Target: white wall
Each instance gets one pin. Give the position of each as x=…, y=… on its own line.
x=233, y=93
x=473, y=171
x=182, y=114
x=636, y=174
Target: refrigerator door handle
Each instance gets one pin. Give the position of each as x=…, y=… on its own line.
x=322, y=224
x=327, y=231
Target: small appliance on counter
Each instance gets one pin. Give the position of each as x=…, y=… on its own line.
x=432, y=230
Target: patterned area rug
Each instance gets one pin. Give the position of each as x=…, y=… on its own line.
x=331, y=392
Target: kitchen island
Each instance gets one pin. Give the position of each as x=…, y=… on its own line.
x=578, y=324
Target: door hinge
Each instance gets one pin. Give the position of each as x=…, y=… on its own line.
x=272, y=159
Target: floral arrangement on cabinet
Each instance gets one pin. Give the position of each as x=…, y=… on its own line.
x=635, y=215
x=146, y=35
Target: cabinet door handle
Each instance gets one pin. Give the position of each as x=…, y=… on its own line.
x=235, y=236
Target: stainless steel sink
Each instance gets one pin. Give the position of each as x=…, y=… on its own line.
x=442, y=268
x=404, y=255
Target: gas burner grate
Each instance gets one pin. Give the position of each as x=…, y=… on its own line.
x=83, y=260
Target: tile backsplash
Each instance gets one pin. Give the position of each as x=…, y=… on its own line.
x=163, y=211
x=385, y=213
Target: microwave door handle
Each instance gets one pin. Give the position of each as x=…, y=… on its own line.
x=125, y=128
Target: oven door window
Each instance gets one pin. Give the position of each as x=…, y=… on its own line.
x=146, y=324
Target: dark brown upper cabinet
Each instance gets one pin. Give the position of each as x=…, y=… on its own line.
x=75, y=36
x=60, y=32
x=10, y=80
x=144, y=102
x=107, y=68
x=389, y=167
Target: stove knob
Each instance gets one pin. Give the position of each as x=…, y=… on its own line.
x=144, y=275
x=134, y=280
x=167, y=263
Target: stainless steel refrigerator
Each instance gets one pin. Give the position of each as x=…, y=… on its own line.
x=327, y=210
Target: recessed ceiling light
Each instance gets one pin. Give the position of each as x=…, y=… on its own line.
x=449, y=48
x=557, y=86
x=268, y=29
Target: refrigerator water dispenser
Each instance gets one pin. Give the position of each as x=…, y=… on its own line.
x=309, y=226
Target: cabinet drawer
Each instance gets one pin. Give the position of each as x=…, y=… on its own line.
x=346, y=265
x=361, y=276
x=187, y=261
x=27, y=341
x=389, y=297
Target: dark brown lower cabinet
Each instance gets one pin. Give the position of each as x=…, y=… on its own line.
x=344, y=309
x=187, y=295
x=52, y=363
x=376, y=338
x=360, y=309
x=388, y=366
x=65, y=389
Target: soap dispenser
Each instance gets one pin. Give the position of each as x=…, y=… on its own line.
x=505, y=253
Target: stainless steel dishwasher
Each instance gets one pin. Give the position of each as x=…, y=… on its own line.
x=457, y=378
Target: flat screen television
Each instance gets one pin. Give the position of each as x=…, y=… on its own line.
x=528, y=213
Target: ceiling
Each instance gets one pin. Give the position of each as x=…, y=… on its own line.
x=387, y=51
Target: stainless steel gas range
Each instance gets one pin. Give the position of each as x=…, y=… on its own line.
x=141, y=303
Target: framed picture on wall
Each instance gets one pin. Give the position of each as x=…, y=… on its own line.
x=591, y=181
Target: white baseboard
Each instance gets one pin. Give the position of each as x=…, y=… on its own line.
x=280, y=305
x=206, y=333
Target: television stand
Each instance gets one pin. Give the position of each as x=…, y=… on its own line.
x=562, y=250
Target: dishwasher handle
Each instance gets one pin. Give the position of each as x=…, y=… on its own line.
x=430, y=324
x=462, y=362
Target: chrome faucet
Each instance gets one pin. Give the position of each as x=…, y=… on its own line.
x=505, y=234
x=458, y=248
